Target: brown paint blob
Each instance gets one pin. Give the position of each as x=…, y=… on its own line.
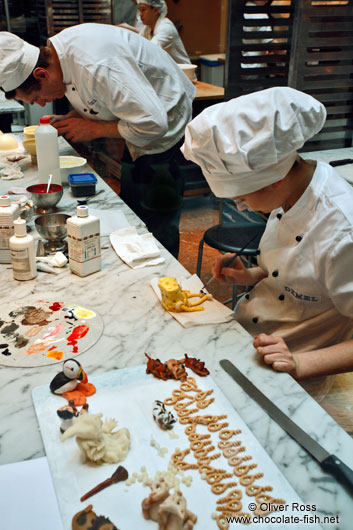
x=36, y=316
x=21, y=342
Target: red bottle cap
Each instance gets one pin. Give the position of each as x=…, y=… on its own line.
x=44, y=119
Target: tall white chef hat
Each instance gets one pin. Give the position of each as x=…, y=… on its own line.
x=162, y=6
x=17, y=60
x=251, y=141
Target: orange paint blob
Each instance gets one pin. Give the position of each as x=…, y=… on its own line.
x=36, y=348
x=55, y=354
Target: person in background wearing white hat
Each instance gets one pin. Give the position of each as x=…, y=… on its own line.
x=160, y=30
x=300, y=310
x=120, y=86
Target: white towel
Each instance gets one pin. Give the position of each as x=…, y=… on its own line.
x=136, y=250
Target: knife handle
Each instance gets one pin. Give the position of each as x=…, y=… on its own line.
x=342, y=162
x=343, y=473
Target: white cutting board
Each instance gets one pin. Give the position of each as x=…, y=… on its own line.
x=128, y=396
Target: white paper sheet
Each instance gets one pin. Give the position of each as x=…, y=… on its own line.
x=128, y=396
x=28, y=498
x=214, y=312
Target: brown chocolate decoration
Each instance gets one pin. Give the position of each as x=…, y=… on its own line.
x=196, y=365
x=119, y=475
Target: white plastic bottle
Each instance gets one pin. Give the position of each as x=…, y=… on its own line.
x=22, y=252
x=47, y=148
x=83, y=235
x=8, y=213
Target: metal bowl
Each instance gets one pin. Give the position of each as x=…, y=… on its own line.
x=52, y=226
x=43, y=200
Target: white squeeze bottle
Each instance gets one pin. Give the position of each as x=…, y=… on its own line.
x=83, y=235
x=22, y=252
x=8, y=213
x=47, y=148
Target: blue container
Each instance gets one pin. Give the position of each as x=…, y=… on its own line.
x=82, y=184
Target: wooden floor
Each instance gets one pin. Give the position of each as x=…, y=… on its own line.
x=198, y=215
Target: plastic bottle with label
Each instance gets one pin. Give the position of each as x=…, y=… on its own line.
x=22, y=252
x=47, y=148
x=83, y=235
x=8, y=213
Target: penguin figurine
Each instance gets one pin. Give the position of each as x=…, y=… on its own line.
x=69, y=378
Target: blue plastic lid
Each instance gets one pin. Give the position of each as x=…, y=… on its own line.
x=79, y=179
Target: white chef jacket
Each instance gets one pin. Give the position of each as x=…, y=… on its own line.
x=166, y=36
x=113, y=74
x=307, y=252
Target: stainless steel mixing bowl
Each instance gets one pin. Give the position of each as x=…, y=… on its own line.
x=52, y=226
x=41, y=199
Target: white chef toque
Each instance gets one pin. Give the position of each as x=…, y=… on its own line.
x=17, y=60
x=250, y=142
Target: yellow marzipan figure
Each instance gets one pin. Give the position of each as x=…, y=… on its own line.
x=174, y=298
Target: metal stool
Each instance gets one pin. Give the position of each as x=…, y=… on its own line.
x=241, y=236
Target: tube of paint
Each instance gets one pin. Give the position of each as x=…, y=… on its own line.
x=83, y=236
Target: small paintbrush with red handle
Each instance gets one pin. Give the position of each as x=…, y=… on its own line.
x=119, y=475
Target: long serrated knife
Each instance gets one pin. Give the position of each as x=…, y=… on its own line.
x=328, y=462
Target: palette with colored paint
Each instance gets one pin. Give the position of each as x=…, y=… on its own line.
x=40, y=332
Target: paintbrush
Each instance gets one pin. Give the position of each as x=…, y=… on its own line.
x=233, y=258
x=119, y=475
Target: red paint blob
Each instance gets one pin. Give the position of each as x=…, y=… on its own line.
x=52, y=348
x=56, y=306
x=77, y=333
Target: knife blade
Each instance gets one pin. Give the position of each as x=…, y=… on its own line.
x=329, y=462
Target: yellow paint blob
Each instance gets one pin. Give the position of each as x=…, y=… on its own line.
x=81, y=312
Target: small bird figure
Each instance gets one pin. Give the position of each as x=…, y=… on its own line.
x=68, y=379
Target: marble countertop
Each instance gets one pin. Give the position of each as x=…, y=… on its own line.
x=134, y=323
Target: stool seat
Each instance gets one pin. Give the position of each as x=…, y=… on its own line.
x=232, y=238
x=240, y=236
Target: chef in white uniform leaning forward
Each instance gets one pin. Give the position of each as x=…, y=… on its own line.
x=300, y=310
x=120, y=86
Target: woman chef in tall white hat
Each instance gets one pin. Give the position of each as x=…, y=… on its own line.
x=300, y=310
